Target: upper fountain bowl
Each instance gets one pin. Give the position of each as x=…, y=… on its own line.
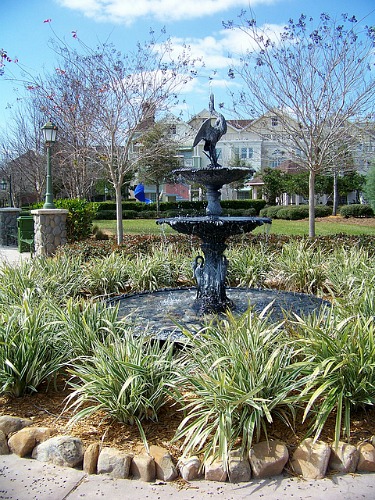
x=215, y=177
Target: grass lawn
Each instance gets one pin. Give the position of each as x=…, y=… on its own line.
x=324, y=226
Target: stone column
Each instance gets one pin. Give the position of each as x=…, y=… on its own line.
x=8, y=225
x=49, y=229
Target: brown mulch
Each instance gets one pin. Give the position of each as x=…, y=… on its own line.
x=50, y=410
x=357, y=221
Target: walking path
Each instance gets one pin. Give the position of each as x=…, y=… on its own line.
x=25, y=479
x=11, y=255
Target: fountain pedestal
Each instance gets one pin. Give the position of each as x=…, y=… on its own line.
x=210, y=270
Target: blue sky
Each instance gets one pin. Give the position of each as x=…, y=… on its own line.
x=24, y=34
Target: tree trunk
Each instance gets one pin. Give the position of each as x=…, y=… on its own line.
x=120, y=229
x=312, y=203
x=157, y=185
x=335, y=194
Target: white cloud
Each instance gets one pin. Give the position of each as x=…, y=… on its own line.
x=128, y=11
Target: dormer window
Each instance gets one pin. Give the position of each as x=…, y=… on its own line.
x=274, y=121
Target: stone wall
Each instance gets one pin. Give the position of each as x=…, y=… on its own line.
x=49, y=229
x=8, y=225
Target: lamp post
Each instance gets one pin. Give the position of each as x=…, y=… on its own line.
x=49, y=133
x=4, y=185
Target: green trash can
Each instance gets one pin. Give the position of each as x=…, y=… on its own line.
x=25, y=224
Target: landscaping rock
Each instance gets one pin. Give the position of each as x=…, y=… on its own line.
x=239, y=470
x=143, y=467
x=366, y=462
x=114, y=462
x=268, y=458
x=215, y=471
x=190, y=468
x=66, y=451
x=344, y=458
x=165, y=468
x=310, y=459
x=24, y=441
x=9, y=424
x=4, y=450
x=90, y=458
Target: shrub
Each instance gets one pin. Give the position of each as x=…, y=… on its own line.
x=271, y=211
x=106, y=215
x=81, y=215
x=147, y=214
x=80, y=218
x=356, y=211
x=293, y=213
x=130, y=214
x=323, y=210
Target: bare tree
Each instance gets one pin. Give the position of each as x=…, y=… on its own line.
x=159, y=158
x=110, y=95
x=23, y=145
x=314, y=79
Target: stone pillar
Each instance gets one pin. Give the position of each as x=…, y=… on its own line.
x=49, y=230
x=8, y=225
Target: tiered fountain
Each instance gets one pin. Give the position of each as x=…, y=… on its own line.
x=213, y=229
x=163, y=309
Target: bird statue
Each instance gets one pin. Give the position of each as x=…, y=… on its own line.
x=211, y=134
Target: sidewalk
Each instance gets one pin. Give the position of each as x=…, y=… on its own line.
x=23, y=479
x=11, y=255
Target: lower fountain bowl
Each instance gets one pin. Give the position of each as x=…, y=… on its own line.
x=165, y=313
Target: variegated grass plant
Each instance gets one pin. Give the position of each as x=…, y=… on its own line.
x=337, y=357
x=249, y=265
x=31, y=350
x=238, y=377
x=83, y=324
x=126, y=377
x=300, y=266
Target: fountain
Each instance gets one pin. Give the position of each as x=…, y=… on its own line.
x=213, y=229
x=163, y=309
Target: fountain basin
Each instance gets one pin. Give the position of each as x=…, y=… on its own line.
x=165, y=313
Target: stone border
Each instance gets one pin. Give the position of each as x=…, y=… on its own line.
x=311, y=460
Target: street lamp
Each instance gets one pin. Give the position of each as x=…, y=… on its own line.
x=49, y=133
x=4, y=186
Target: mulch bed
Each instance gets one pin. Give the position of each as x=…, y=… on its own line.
x=49, y=409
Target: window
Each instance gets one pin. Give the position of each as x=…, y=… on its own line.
x=274, y=121
x=243, y=195
x=173, y=129
x=246, y=153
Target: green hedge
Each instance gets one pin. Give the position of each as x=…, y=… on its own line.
x=295, y=212
x=107, y=209
x=356, y=210
x=79, y=222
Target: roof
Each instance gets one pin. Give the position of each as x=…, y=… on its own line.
x=240, y=124
x=290, y=167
